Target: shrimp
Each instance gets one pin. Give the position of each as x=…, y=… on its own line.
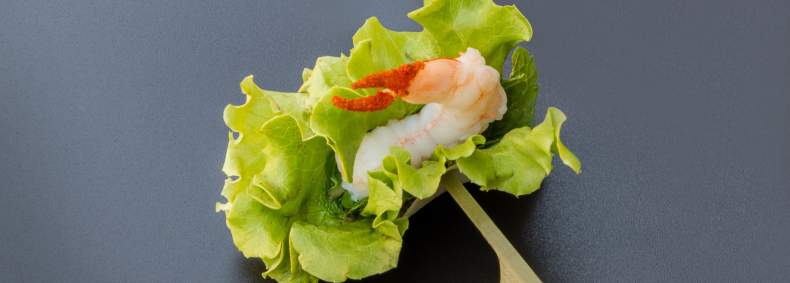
x=461, y=96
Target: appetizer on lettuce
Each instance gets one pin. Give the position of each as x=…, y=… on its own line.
x=319, y=179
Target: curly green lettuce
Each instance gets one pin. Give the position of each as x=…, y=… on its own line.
x=278, y=205
x=288, y=151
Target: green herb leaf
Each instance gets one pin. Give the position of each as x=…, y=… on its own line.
x=522, y=93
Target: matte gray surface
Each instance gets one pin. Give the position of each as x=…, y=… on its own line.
x=112, y=139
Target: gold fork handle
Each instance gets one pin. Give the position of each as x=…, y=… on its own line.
x=512, y=266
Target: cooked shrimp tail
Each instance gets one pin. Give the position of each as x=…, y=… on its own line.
x=462, y=96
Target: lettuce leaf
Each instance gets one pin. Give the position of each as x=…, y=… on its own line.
x=457, y=24
x=522, y=159
x=242, y=154
x=354, y=250
x=328, y=72
x=278, y=206
x=377, y=48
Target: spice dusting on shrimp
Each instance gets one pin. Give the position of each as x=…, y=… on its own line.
x=461, y=96
x=395, y=82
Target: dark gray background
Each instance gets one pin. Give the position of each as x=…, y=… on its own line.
x=111, y=139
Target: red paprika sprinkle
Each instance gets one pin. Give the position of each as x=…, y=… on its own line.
x=364, y=104
x=395, y=80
